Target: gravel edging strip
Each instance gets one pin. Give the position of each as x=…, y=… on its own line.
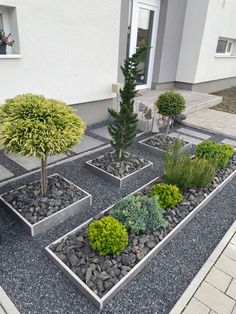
x=100, y=302
x=195, y=283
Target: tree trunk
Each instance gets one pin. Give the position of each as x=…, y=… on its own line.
x=44, y=176
x=168, y=126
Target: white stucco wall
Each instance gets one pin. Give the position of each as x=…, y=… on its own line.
x=220, y=22
x=69, y=49
x=194, y=24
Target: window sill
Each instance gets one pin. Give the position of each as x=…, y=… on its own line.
x=224, y=56
x=12, y=56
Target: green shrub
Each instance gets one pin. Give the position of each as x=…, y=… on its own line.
x=107, y=236
x=219, y=152
x=168, y=195
x=170, y=104
x=32, y=125
x=139, y=213
x=185, y=172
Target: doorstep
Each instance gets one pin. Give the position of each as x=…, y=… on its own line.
x=213, y=290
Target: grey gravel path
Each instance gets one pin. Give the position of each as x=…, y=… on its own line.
x=36, y=285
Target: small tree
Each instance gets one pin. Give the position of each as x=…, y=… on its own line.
x=31, y=125
x=124, y=127
x=170, y=104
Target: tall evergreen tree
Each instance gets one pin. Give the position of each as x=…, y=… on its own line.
x=124, y=127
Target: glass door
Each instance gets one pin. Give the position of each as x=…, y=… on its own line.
x=143, y=34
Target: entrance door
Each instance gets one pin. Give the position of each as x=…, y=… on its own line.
x=144, y=25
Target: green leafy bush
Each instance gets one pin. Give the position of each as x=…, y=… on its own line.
x=170, y=104
x=168, y=195
x=139, y=213
x=219, y=152
x=32, y=125
x=107, y=236
x=185, y=172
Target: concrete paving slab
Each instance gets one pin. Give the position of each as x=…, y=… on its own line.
x=196, y=307
x=30, y=163
x=194, y=133
x=6, y=305
x=102, y=131
x=213, y=120
x=214, y=299
x=4, y=173
x=186, y=138
x=229, y=141
x=87, y=143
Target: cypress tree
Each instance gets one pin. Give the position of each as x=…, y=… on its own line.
x=123, y=129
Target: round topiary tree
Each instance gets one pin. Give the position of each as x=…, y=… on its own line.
x=31, y=125
x=170, y=104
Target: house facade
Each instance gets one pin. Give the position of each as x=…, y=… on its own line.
x=72, y=50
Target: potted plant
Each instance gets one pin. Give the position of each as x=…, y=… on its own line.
x=4, y=42
x=31, y=125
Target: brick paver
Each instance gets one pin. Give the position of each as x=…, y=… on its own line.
x=218, y=279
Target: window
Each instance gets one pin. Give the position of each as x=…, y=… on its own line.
x=1, y=21
x=8, y=22
x=224, y=46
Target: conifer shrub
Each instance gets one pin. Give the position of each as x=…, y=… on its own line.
x=107, y=236
x=139, y=214
x=168, y=195
x=32, y=125
x=211, y=150
x=123, y=129
x=181, y=170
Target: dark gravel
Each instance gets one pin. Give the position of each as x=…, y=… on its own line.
x=162, y=142
x=36, y=285
x=120, y=169
x=33, y=206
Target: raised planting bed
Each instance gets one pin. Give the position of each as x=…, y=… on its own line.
x=38, y=214
x=159, y=144
x=99, y=277
x=119, y=172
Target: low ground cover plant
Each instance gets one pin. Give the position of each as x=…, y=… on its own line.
x=139, y=213
x=107, y=236
x=170, y=103
x=211, y=150
x=181, y=170
x=168, y=195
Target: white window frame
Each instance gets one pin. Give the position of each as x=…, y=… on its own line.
x=226, y=53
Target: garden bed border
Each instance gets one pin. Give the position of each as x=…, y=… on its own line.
x=159, y=151
x=114, y=179
x=54, y=219
x=100, y=302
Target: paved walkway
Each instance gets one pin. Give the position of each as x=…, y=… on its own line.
x=213, y=290
x=194, y=100
x=6, y=306
x=213, y=120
